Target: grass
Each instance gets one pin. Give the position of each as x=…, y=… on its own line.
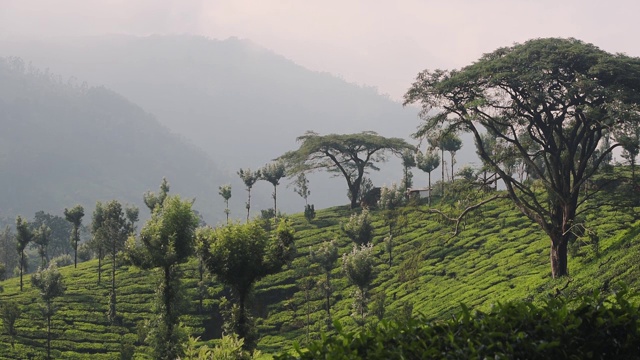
x=498, y=256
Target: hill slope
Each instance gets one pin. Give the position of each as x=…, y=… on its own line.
x=63, y=143
x=499, y=256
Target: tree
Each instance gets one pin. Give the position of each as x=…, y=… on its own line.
x=8, y=243
x=408, y=161
x=98, y=241
x=249, y=178
x=241, y=254
x=359, y=228
x=629, y=139
x=24, y=236
x=427, y=163
x=349, y=155
x=41, y=238
x=166, y=240
x=358, y=267
x=273, y=173
x=563, y=94
x=9, y=313
x=133, y=215
x=152, y=200
x=225, y=192
x=301, y=187
x=59, y=243
x=326, y=256
x=74, y=216
x=49, y=282
x=112, y=227
x=451, y=143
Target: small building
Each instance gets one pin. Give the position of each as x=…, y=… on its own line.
x=418, y=193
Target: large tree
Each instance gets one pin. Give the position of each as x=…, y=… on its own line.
x=74, y=216
x=348, y=155
x=552, y=101
x=166, y=240
x=241, y=254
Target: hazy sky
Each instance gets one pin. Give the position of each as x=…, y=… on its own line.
x=379, y=43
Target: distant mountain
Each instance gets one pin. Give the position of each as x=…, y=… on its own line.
x=242, y=104
x=62, y=143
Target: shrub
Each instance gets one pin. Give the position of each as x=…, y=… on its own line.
x=588, y=327
x=62, y=260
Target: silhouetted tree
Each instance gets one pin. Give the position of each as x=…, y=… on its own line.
x=225, y=192
x=249, y=178
x=24, y=236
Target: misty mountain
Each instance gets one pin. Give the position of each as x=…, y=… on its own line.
x=242, y=104
x=63, y=143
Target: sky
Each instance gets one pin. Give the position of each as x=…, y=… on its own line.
x=376, y=43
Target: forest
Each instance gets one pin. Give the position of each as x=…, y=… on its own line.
x=530, y=253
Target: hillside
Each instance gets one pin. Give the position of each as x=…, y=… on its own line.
x=63, y=143
x=498, y=256
x=244, y=105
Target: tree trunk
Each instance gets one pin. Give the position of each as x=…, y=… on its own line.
x=442, y=180
x=112, y=300
x=75, y=247
x=242, y=319
x=429, y=198
x=48, y=331
x=99, y=265
x=452, y=162
x=21, y=266
x=327, y=294
x=248, y=203
x=275, y=204
x=559, y=256
x=168, y=299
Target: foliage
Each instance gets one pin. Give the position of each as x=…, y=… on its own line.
x=359, y=228
x=74, y=216
x=9, y=313
x=349, y=155
x=41, y=238
x=301, y=187
x=589, y=327
x=24, y=236
x=230, y=347
x=62, y=260
x=225, y=192
x=273, y=173
x=309, y=212
x=49, y=282
x=7, y=244
x=550, y=102
x=241, y=254
x=167, y=240
x=326, y=256
x=428, y=162
x=153, y=200
x=358, y=268
x=249, y=178
x=60, y=232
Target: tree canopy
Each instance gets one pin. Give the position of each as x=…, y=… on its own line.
x=347, y=155
x=551, y=101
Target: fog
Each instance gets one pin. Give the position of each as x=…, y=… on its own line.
x=242, y=79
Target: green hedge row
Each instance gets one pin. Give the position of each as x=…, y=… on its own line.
x=591, y=327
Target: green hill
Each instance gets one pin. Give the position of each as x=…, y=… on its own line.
x=498, y=256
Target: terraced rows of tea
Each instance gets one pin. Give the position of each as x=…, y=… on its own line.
x=498, y=256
